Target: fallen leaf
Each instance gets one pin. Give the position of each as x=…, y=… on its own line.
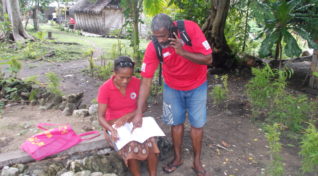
x=225, y=144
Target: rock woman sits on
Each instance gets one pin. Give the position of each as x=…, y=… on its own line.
x=117, y=102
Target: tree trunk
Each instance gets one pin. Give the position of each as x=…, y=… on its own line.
x=313, y=81
x=135, y=6
x=12, y=8
x=27, y=20
x=213, y=29
x=1, y=11
x=35, y=19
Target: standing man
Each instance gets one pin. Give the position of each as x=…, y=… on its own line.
x=185, y=83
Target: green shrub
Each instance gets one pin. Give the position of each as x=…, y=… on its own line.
x=292, y=111
x=309, y=149
x=5, y=26
x=272, y=134
x=89, y=54
x=32, y=80
x=265, y=87
x=54, y=83
x=105, y=71
x=220, y=92
x=14, y=67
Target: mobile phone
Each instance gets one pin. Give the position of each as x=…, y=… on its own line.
x=173, y=30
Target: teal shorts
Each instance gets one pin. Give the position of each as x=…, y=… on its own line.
x=177, y=103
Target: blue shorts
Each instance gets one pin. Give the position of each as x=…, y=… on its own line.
x=177, y=103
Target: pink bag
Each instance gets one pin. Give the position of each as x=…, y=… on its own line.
x=53, y=141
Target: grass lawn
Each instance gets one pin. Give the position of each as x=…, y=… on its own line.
x=59, y=50
x=106, y=44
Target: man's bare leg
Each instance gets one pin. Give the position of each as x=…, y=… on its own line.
x=196, y=136
x=177, y=139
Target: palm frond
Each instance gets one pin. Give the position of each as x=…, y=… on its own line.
x=291, y=48
x=307, y=36
x=268, y=43
x=153, y=7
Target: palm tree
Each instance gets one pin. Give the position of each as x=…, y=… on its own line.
x=284, y=20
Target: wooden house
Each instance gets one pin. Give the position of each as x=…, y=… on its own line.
x=98, y=16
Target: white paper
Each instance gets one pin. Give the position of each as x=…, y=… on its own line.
x=149, y=129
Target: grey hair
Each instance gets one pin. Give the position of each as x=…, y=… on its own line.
x=161, y=21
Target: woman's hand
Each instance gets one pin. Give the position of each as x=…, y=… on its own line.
x=120, y=122
x=114, y=135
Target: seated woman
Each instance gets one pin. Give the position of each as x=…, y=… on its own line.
x=117, y=102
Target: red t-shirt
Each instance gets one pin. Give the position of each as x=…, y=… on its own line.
x=117, y=103
x=178, y=72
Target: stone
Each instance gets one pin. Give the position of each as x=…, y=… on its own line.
x=83, y=173
x=55, y=101
x=54, y=168
x=75, y=165
x=96, y=174
x=82, y=106
x=69, y=173
x=42, y=101
x=87, y=128
x=104, y=151
x=34, y=102
x=42, y=108
x=112, y=174
x=80, y=113
x=69, y=108
x=62, y=105
x=25, y=95
x=21, y=167
x=95, y=124
x=39, y=172
x=74, y=98
x=9, y=171
x=92, y=110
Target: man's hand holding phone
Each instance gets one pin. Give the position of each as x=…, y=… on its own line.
x=176, y=43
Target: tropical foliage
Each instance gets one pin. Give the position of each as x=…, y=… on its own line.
x=285, y=21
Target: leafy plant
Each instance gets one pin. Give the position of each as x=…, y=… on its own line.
x=89, y=54
x=32, y=51
x=220, y=91
x=272, y=134
x=5, y=26
x=265, y=87
x=105, y=71
x=309, y=149
x=33, y=94
x=292, y=111
x=53, y=83
x=32, y=80
x=14, y=67
x=40, y=35
x=282, y=20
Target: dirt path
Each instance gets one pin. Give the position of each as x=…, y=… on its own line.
x=71, y=73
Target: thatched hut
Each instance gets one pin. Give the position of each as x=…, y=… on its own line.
x=98, y=16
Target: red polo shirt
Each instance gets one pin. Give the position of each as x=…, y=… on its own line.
x=178, y=72
x=117, y=103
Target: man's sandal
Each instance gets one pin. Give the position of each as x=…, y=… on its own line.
x=170, y=167
x=200, y=172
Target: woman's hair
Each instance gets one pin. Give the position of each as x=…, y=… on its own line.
x=122, y=62
x=161, y=21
